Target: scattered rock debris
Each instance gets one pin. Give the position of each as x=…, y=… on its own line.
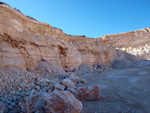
x=35, y=91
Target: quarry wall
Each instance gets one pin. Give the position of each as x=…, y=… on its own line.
x=24, y=41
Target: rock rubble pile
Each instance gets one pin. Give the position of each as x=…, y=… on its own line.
x=28, y=92
x=85, y=69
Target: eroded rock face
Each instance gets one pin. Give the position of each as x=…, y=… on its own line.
x=62, y=102
x=24, y=42
x=88, y=93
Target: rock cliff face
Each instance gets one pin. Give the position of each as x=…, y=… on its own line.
x=25, y=41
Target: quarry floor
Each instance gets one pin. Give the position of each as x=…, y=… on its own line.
x=122, y=91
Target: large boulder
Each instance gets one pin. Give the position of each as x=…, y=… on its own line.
x=32, y=103
x=60, y=101
x=89, y=93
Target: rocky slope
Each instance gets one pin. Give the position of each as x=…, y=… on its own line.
x=25, y=41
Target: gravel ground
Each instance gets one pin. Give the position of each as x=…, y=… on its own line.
x=122, y=91
x=125, y=63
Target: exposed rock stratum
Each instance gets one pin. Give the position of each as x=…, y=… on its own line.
x=25, y=41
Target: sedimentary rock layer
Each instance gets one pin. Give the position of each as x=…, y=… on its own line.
x=25, y=41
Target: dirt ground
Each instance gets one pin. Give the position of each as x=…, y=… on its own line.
x=122, y=91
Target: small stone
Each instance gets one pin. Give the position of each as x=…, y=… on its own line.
x=45, y=81
x=44, y=89
x=65, y=76
x=27, y=82
x=12, y=104
x=59, y=86
x=79, y=84
x=50, y=88
x=14, y=98
x=4, y=99
x=2, y=107
x=37, y=87
x=20, y=89
x=67, y=83
x=33, y=91
x=40, y=111
x=56, y=80
x=10, y=98
x=99, y=70
x=9, y=107
x=37, y=79
x=27, y=93
x=14, y=111
x=12, y=92
x=77, y=80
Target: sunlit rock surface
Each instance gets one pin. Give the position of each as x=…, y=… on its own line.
x=25, y=41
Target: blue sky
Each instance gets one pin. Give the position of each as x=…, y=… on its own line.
x=92, y=18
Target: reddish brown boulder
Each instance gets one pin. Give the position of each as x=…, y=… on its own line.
x=88, y=93
x=2, y=107
x=60, y=101
x=32, y=104
x=67, y=83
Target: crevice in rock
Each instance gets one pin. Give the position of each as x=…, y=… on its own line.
x=38, y=46
x=16, y=44
x=62, y=56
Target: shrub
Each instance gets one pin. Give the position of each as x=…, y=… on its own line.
x=31, y=17
x=83, y=36
x=17, y=9
x=2, y=2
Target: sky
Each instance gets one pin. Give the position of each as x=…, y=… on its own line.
x=93, y=18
